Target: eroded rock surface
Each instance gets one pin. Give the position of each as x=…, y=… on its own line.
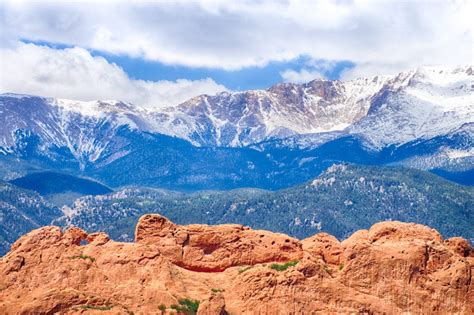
x=391, y=268
x=202, y=247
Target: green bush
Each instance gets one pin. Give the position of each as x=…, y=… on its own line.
x=162, y=308
x=187, y=306
x=283, y=267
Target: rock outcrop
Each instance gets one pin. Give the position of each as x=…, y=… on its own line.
x=200, y=247
x=392, y=268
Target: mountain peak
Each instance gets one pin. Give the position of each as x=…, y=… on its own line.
x=381, y=111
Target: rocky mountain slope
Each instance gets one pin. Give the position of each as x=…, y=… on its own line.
x=422, y=118
x=420, y=103
x=239, y=119
x=391, y=268
x=416, y=104
x=342, y=200
x=69, y=131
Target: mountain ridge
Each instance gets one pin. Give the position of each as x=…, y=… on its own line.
x=421, y=118
x=274, y=105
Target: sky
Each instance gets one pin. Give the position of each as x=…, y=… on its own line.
x=161, y=53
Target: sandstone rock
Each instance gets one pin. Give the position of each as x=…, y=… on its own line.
x=74, y=236
x=324, y=245
x=98, y=238
x=393, y=230
x=214, y=305
x=44, y=237
x=204, y=248
x=392, y=268
x=460, y=246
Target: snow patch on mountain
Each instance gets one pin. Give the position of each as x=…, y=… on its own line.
x=419, y=104
x=459, y=154
x=243, y=118
x=383, y=110
x=85, y=128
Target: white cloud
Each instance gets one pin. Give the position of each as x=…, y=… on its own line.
x=302, y=76
x=313, y=69
x=75, y=74
x=236, y=34
x=370, y=69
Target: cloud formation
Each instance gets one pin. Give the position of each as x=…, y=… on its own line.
x=377, y=37
x=75, y=74
x=235, y=34
x=312, y=69
x=302, y=76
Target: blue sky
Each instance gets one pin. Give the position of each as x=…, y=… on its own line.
x=157, y=54
x=253, y=77
x=247, y=78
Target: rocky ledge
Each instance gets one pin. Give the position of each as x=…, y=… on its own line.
x=392, y=268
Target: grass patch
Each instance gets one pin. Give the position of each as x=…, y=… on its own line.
x=283, y=267
x=244, y=269
x=327, y=269
x=341, y=266
x=92, y=259
x=186, y=306
x=97, y=308
x=217, y=290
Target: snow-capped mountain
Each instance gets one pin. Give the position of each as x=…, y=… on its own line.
x=422, y=118
x=84, y=129
x=420, y=103
x=240, y=119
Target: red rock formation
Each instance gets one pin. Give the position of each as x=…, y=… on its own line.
x=391, y=268
x=201, y=247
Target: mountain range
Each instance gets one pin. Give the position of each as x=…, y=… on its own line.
x=422, y=118
x=21, y=211
x=332, y=156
